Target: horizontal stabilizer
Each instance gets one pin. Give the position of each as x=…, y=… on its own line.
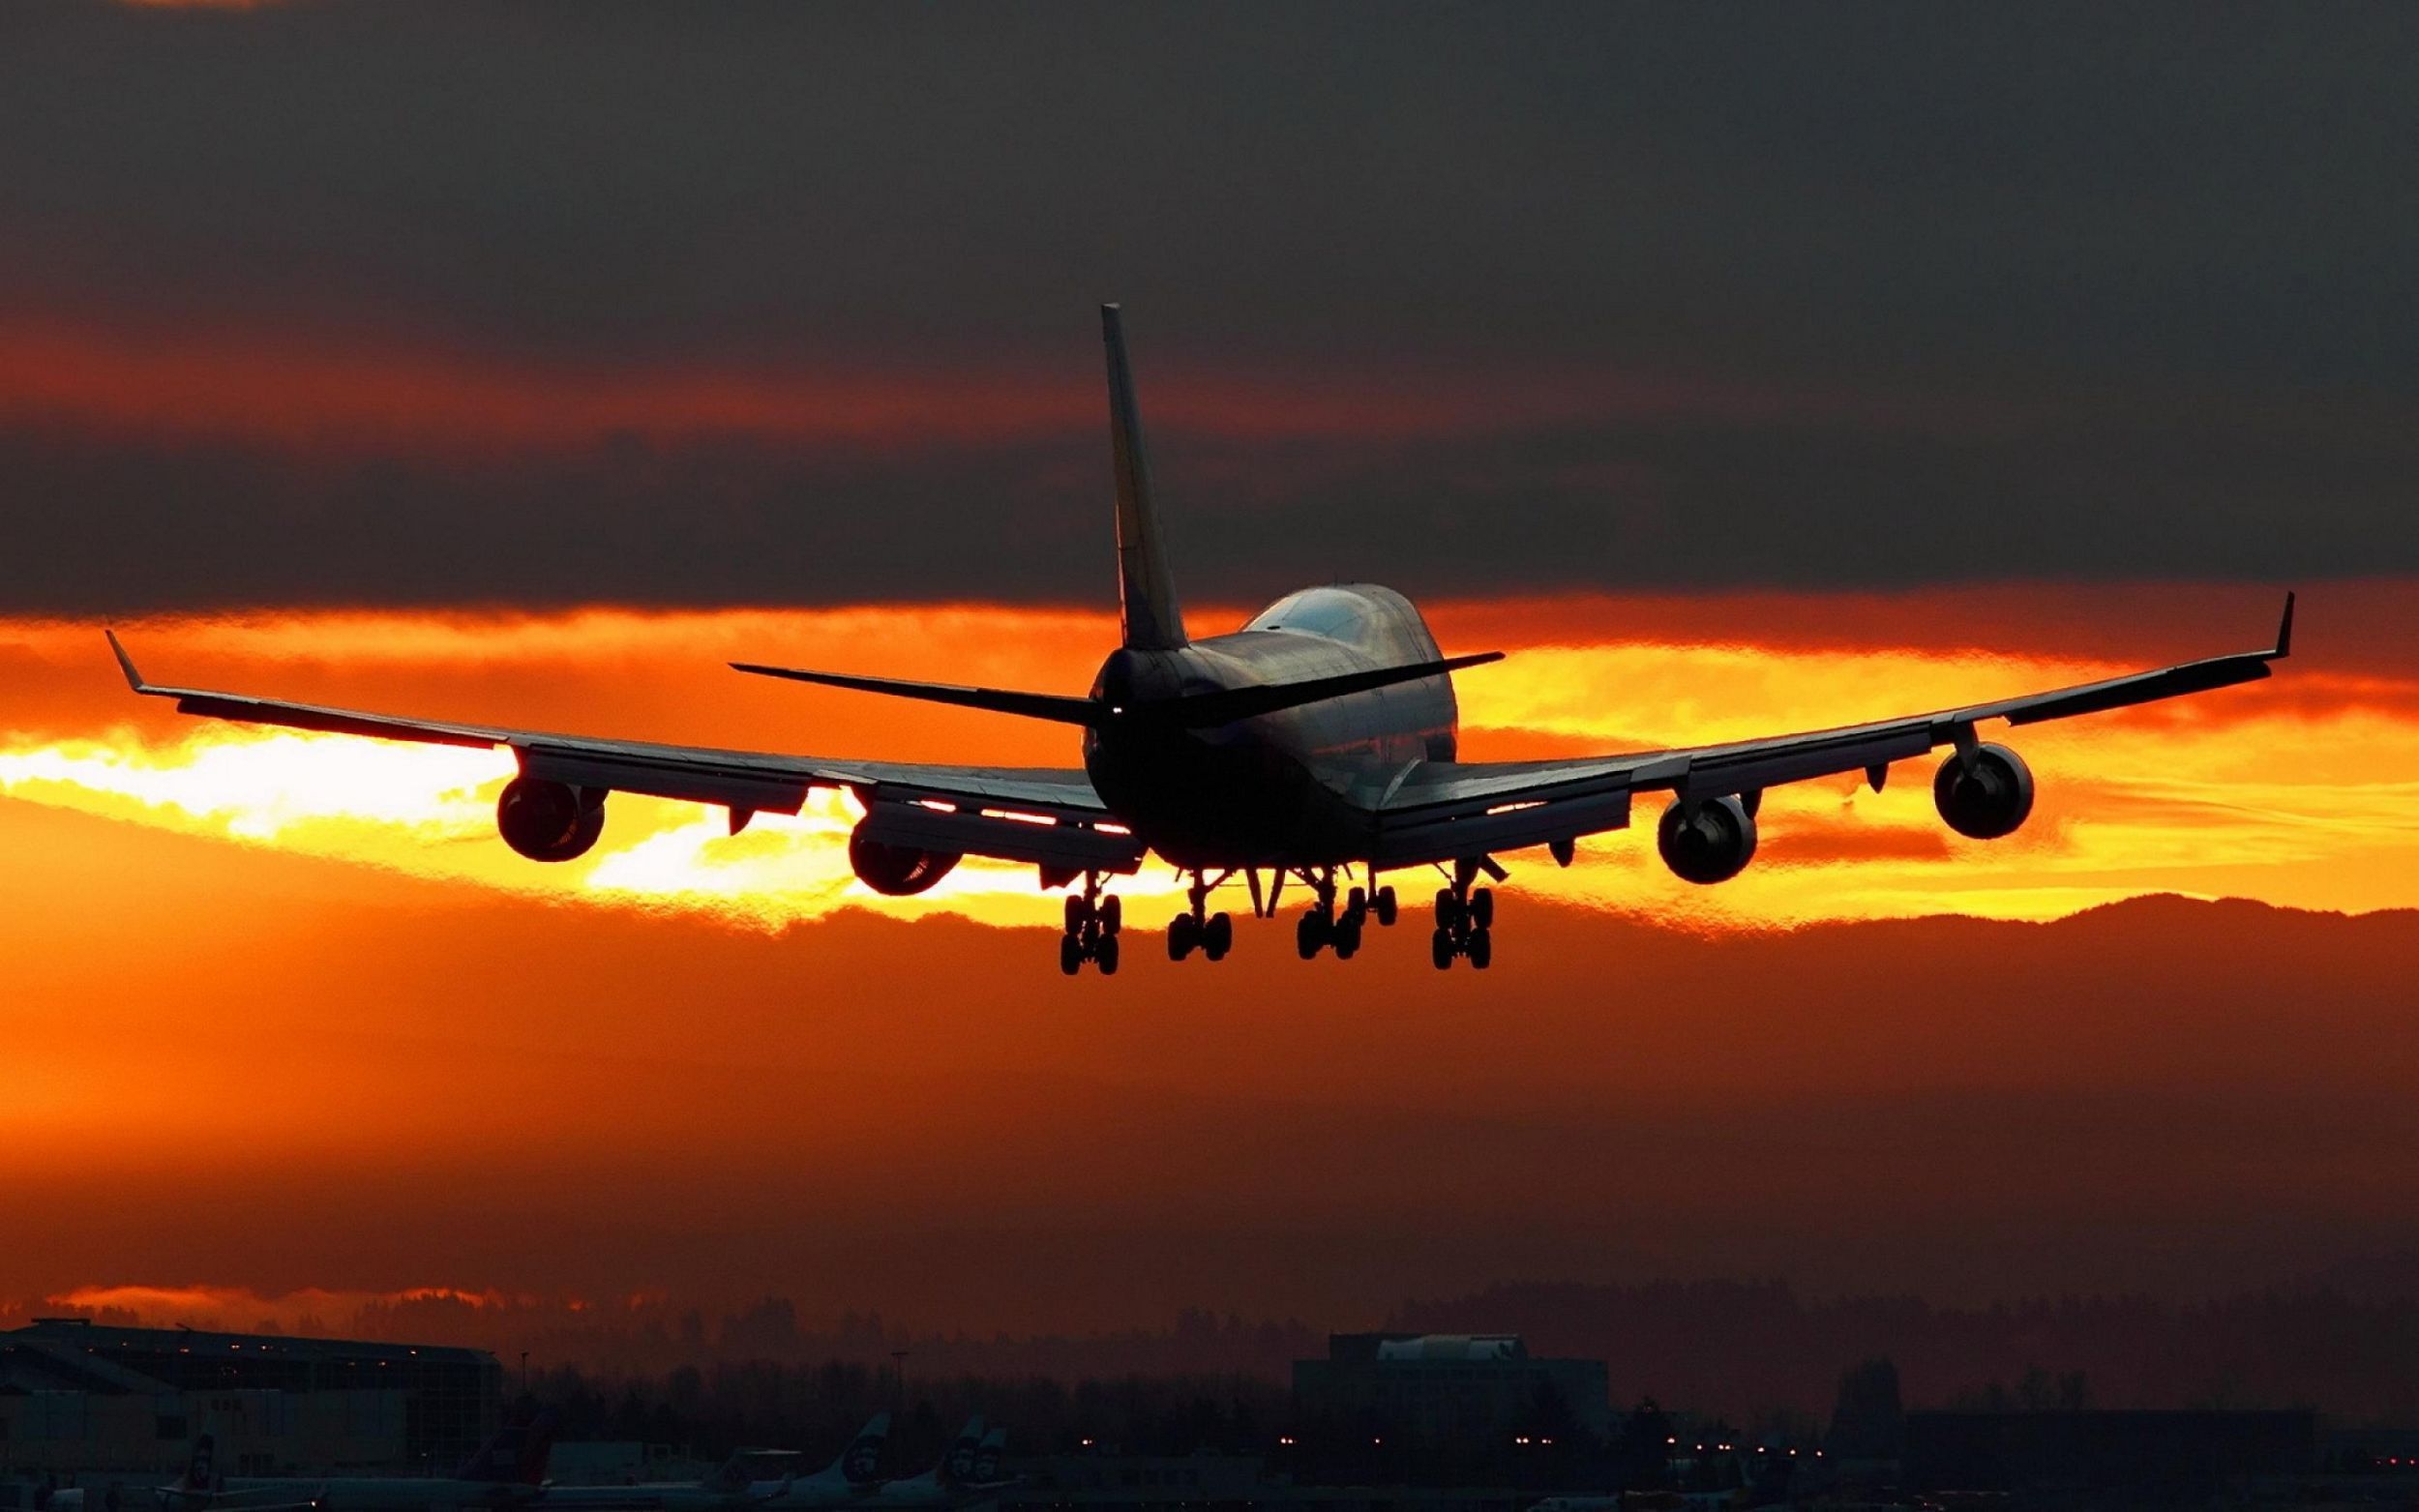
x=999, y=700
x=1192, y=710
x=1226, y=706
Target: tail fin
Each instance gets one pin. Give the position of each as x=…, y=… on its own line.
x=957, y=1466
x=1147, y=604
x=989, y=1455
x=516, y=1456
x=862, y=1460
x=200, y=1466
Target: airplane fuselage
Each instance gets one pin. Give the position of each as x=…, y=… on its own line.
x=1276, y=789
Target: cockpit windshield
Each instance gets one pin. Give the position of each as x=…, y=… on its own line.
x=1331, y=613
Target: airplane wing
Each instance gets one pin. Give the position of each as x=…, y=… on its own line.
x=1042, y=815
x=1444, y=810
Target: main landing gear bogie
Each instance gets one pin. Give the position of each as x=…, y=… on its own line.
x=1328, y=924
x=1094, y=923
x=1465, y=923
x=1197, y=928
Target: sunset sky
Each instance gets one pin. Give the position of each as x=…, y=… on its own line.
x=1737, y=372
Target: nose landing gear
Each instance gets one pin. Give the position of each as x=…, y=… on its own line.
x=1094, y=923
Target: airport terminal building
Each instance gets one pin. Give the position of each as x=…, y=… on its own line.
x=1450, y=1386
x=80, y=1396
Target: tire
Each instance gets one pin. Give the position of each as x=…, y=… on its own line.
x=1441, y=950
x=1112, y=915
x=1480, y=948
x=1105, y=955
x=1070, y=955
x=1482, y=907
x=1308, y=936
x=1347, y=940
x=1218, y=937
x=1356, y=903
x=1078, y=913
x=1184, y=934
x=1385, y=905
x=1448, y=910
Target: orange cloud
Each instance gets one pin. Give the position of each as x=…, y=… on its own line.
x=2295, y=791
x=292, y=389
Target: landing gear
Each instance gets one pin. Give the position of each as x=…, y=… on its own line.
x=1465, y=918
x=1197, y=928
x=1094, y=923
x=1325, y=923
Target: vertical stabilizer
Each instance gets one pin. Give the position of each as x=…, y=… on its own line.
x=1153, y=619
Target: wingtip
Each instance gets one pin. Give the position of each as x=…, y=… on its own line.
x=2284, y=628
x=126, y=664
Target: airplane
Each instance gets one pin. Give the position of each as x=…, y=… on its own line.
x=1317, y=743
x=508, y=1470
x=989, y=1458
x=936, y=1486
x=848, y=1480
x=845, y=1482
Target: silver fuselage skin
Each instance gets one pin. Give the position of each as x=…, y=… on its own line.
x=1273, y=790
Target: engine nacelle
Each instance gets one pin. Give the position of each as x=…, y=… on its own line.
x=1713, y=845
x=1991, y=799
x=897, y=871
x=548, y=820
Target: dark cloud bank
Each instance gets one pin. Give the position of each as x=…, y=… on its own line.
x=1949, y=294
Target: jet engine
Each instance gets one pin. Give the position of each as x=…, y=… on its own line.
x=548, y=820
x=1713, y=845
x=897, y=871
x=1988, y=799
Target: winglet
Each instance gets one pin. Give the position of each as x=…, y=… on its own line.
x=126, y=664
x=2285, y=630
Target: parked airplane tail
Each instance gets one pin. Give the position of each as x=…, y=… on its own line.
x=199, y=1467
x=989, y=1455
x=1147, y=604
x=516, y=1456
x=862, y=1460
x=957, y=1466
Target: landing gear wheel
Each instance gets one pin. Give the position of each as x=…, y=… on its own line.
x=1356, y=903
x=1449, y=911
x=1440, y=949
x=1348, y=938
x=1184, y=932
x=1384, y=904
x=1104, y=955
x=1111, y=915
x=1070, y=954
x=1218, y=937
x=1479, y=948
x=1481, y=907
x=1078, y=913
x=1309, y=936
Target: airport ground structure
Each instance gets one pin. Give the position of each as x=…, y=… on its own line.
x=1383, y=1423
x=79, y=1397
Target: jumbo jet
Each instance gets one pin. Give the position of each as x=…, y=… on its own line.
x=1316, y=744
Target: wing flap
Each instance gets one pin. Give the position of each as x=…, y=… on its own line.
x=1028, y=839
